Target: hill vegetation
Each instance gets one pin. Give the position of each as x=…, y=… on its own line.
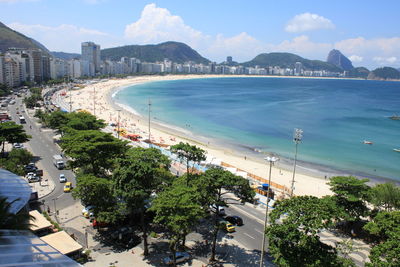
x=359, y=72
x=66, y=56
x=288, y=60
x=174, y=51
x=385, y=73
x=10, y=38
x=336, y=58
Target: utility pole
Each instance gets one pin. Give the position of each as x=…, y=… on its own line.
x=70, y=96
x=149, y=121
x=118, y=110
x=271, y=160
x=94, y=101
x=297, y=136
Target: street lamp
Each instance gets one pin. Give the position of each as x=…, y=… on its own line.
x=118, y=110
x=271, y=160
x=297, y=136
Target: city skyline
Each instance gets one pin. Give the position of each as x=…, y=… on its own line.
x=367, y=34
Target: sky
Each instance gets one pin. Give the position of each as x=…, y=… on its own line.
x=365, y=31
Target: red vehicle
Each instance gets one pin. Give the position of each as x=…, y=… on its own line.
x=97, y=224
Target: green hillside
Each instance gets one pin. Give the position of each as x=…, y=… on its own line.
x=288, y=60
x=10, y=38
x=174, y=51
x=385, y=73
x=359, y=72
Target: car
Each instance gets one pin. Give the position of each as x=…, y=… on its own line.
x=32, y=177
x=63, y=179
x=234, y=220
x=18, y=145
x=67, y=187
x=87, y=211
x=99, y=224
x=30, y=167
x=221, y=210
x=179, y=256
x=227, y=226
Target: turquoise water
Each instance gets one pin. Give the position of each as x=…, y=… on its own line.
x=335, y=115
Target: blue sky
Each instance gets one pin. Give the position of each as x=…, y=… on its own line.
x=366, y=31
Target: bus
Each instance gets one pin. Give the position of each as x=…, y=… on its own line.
x=22, y=119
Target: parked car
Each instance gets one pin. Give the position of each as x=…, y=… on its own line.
x=32, y=177
x=227, y=226
x=67, y=187
x=30, y=167
x=97, y=224
x=63, y=179
x=18, y=145
x=180, y=257
x=234, y=220
x=221, y=210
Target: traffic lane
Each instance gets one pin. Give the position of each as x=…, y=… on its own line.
x=43, y=147
x=250, y=234
x=249, y=209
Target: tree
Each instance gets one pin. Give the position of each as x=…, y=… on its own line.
x=11, y=221
x=350, y=195
x=293, y=233
x=386, y=196
x=83, y=121
x=12, y=133
x=93, y=151
x=213, y=186
x=136, y=177
x=97, y=191
x=16, y=160
x=57, y=120
x=178, y=210
x=190, y=153
x=386, y=229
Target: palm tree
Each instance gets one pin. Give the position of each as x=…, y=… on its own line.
x=11, y=221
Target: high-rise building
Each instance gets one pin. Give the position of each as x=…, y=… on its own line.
x=229, y=59
x=297, y=68
x=2, y=69
x=91, y=53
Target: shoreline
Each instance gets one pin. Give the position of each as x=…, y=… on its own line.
x=309, y=179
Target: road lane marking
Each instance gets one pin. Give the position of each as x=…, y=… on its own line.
x=258, y=231
x=248, y=214
x=249, y=235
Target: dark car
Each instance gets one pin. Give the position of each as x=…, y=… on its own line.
x=234, y=220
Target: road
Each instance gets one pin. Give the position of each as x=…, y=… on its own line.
x=43, y=149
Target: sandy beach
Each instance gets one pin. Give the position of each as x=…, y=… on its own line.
x=97, y=99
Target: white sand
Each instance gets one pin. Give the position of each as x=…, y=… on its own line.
x=106, y=110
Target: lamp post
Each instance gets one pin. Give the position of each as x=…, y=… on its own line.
x=118, y=110
x=149, y=121
x=271, y=160
x=297, y=136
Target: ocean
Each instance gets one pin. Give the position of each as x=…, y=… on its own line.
x=260, y=113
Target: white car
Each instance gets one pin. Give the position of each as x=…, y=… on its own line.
x=18, y=145
x=63, y=179
x=87, y=211
x=32, y=177
x=180, y=257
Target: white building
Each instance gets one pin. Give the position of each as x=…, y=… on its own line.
x=91, y=53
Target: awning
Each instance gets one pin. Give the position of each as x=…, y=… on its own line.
x=39, y=222
x=62, y=242
x=14, y=187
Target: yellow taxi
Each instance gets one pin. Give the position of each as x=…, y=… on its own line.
x=227, y=226
x=67, y=187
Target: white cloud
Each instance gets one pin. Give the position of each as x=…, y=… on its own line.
x=355, y=58
x=303, y=46
x=385, y=60
x=308, y=22
x=64, y=37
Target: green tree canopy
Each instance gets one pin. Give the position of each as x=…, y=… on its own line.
x=12, y=133
x=293, y=233
x=385, y=196
x=189, y=153
x=138, y=175
x=350, y=195
x=213, y=185
x=16, y=160
x=93, y=151
x=178, y=210
x=83, y=121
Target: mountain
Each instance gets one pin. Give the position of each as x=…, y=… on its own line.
x=288, y=60
x=385, y=73
x=66, y=56
x=10, y=38
x=359, y=72
x=336, y=58
x=174, y=51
